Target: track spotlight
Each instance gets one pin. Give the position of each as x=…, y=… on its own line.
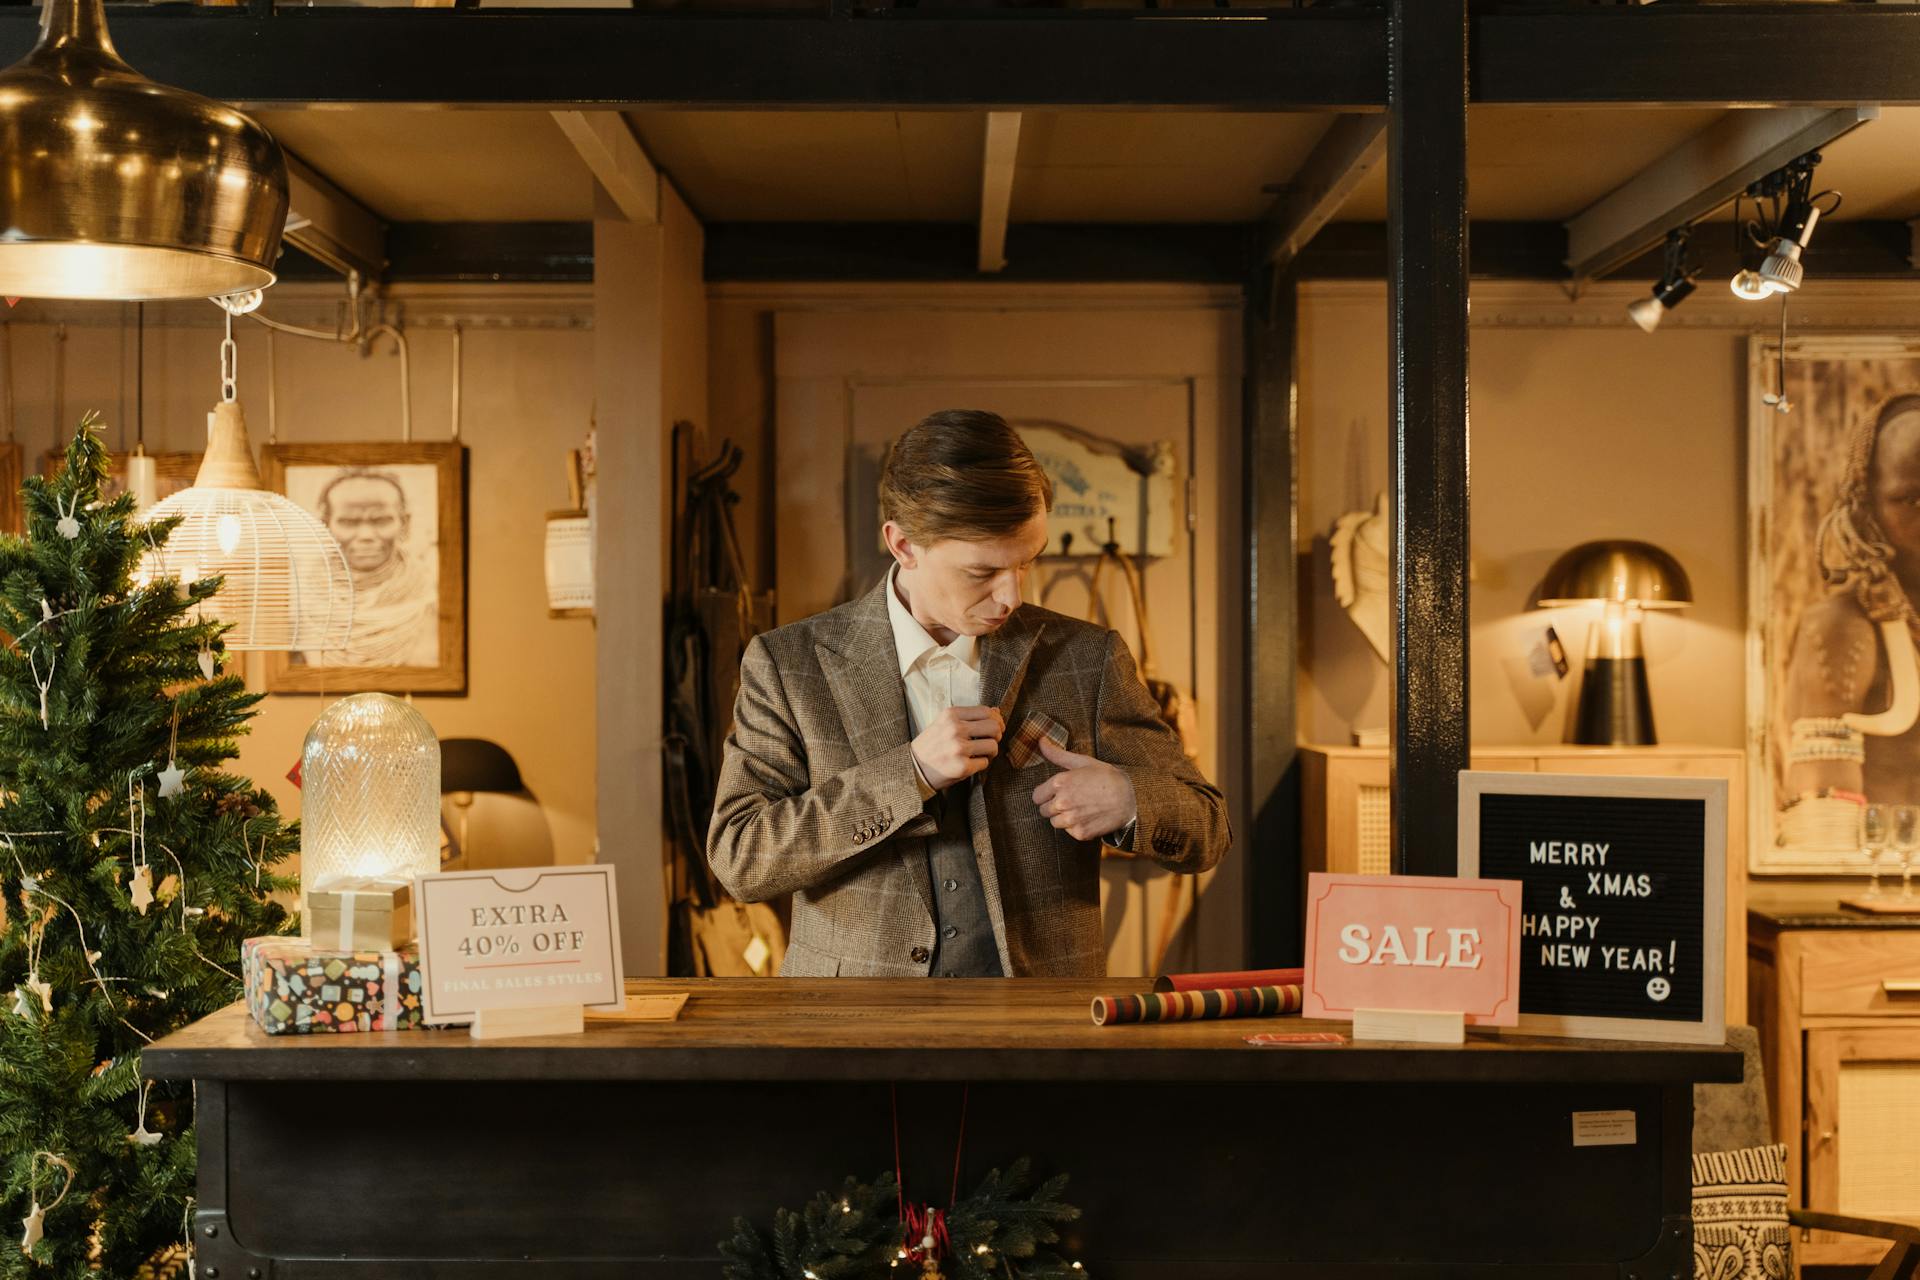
x=1675, y=283
x=1789, y=212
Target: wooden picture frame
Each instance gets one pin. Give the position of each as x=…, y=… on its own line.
x=13, y=514
x=176, y=471
x=1796, y=470
x=409, y=623
x=1711, y=793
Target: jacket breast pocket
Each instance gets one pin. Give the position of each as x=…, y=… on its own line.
x=803, y=961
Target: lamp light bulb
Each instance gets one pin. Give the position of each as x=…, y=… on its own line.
x=1751, y=285
x=228, y=531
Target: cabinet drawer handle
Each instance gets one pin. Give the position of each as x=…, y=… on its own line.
x=1901, y=986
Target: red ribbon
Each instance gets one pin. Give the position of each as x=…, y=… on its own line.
x=920, y=1220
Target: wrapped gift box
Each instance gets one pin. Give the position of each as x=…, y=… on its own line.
x=360, y=914
x=294, y=986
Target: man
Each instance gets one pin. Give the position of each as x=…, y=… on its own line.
x=396, y=600
x=876, y=769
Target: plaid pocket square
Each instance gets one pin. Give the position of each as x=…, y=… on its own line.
x=1025, y=747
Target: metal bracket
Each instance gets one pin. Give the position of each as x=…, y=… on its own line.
x=218, y=1256
x=1671, y=1257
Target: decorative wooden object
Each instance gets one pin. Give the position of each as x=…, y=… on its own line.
x=1836, y=997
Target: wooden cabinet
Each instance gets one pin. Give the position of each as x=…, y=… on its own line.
x=1344, y=816
x=1837, y=999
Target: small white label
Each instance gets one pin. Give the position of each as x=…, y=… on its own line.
x=757, y=954
x=1603, y=1129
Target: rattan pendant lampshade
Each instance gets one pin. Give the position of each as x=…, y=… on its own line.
x=286, y=582
x=113, y=186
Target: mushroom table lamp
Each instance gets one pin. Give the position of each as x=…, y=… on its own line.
x=1616, y=707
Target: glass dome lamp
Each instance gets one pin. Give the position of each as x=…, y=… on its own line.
x=370, y=792
x=115, y=187
x=285, y=581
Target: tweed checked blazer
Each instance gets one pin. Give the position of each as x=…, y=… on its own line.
x=818, y=795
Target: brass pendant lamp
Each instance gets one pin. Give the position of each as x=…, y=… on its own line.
x=115, y=187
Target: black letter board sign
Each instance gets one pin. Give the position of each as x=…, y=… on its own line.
x=1624, y=900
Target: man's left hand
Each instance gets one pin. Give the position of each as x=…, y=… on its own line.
x=1088, y=798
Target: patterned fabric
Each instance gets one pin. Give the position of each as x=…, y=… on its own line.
x=1191, y=1006
x=1740, y=1215
x=1025, y=747
x=818, y=795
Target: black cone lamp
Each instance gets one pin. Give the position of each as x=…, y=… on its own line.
x=1616, y=706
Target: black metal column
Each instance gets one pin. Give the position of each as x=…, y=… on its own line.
x=1427, y=354
x=1273, y=889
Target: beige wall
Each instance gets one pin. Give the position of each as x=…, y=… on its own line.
x=1582, y=427
x=526, y=395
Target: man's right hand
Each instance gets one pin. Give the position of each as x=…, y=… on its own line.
x=958, y=744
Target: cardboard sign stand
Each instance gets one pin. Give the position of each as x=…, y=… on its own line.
x=1415, y=1026
x=544, y=1020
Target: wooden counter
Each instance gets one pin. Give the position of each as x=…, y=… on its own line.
x=628, y=1150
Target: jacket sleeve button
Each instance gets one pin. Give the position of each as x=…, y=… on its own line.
x=919, y=955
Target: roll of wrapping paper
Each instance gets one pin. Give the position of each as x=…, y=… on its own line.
x=1241, y=978
x=1195, y=1006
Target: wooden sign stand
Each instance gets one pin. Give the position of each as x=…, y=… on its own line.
x=542, y=1020
x=1413, y=1026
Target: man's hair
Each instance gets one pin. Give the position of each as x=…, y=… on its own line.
x=962, y=473
x=361, y=473
x=1853, y=551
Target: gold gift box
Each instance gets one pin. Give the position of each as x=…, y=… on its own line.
x=355, y=914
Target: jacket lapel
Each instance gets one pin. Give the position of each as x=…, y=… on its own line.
x=863, y=671
x=1004, y=656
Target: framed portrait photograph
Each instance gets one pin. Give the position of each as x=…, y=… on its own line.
x=1833, y=583
x=399, y=513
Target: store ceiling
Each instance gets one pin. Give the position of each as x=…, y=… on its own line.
x=1527, y=164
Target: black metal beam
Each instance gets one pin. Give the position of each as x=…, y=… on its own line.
x=464, y=252
x=1719, y=54
x=920, y=251
x=1427, y=354
x=1271, y=639
x=1243, y=60
x=1499, y=251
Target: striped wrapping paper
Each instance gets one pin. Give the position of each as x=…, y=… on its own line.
x=1189, y=1006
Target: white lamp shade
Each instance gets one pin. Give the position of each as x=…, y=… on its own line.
x=370, y=792
x=286, y=587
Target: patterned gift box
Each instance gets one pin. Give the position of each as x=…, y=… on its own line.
x=296, y=987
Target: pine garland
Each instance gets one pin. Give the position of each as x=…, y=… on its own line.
x=101, y=688
x=996, y=1233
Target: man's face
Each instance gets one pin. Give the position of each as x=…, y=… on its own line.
x=968, y=588
x=1894, y=485
x=366, y=519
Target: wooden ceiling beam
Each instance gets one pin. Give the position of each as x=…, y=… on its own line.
x=618, y=162
x=996, y=187
x=1351, y=148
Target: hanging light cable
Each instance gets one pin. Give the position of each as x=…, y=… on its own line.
x=286, y=585
x=115, y=187
x=143, y=469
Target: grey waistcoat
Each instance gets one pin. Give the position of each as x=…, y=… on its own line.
x=963, y=932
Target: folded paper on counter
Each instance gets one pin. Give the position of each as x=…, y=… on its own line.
x=1195, y=1006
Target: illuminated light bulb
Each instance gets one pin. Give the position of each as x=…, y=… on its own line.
x=228, y=531
x=1752, y=286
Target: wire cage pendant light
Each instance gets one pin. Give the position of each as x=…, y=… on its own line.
x=286, y=586
x=115, y=187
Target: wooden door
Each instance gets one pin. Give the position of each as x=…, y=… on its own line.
x=849, y=381
x=1863, y=1132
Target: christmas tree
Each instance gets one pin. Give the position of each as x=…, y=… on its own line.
x=131, y=867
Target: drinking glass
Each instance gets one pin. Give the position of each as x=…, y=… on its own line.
x=1873, y=839
x=1906, y=836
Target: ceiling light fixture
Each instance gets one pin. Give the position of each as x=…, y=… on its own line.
x=115, y=187
x=1675, y=283
x=1788, y=212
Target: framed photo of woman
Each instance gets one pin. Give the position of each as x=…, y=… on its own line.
x=398, y=512
x=1833, y=673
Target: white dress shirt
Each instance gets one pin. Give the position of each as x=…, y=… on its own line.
x=936, y=676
